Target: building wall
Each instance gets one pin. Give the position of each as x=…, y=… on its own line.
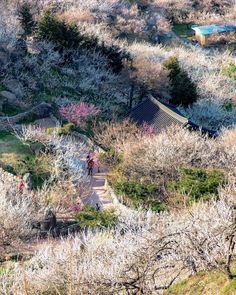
x=214, y=38
x=201, y=39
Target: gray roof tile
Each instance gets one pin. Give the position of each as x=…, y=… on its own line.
x=157, y=114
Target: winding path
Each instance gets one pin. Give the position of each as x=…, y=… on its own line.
x=99, y=194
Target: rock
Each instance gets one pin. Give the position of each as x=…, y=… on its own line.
x=10, y=98
x=14, y=87
x=28, y=181
x=7, y=95
x=43, y=110
x=50, y=220
x=37, y=148
x=40, y=111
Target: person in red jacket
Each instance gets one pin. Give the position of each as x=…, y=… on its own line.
x=90, y=167
x=21, y=186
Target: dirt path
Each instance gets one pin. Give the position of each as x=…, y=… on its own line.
x=99, y=193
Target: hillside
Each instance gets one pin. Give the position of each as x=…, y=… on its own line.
x=212, y=282
x=117, y=147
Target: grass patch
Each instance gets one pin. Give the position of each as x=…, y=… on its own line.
x=136, y=194
x=197, y=184
x=91, y=218
x=207, y=283
x=11, y=149
x=229, y=71
x=19, y=159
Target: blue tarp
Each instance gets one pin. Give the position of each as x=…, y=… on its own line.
x=211, y=29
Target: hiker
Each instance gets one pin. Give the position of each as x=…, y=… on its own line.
x=97, y=162
x=90, y=167
x=97, y=207
x=87, y=159
x=21, y=186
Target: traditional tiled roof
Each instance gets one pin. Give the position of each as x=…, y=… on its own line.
x=216, y=28
x=161, y=116
x=157, y=114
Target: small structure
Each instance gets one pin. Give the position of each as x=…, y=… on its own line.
x=206, y=35
x=162, y=116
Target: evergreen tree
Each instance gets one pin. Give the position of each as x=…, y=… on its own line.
x=183, y=89
x=26, y=20
x=64, y=35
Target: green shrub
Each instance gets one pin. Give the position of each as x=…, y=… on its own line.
x=92, y=218
x=156, y=206
x=10, y=110
x=62, y=34
x=68, y=36
x=198, y=183
x=66, y=129
x=134, y=189
x=137, y=194
x=229, y=71
x=183, y=89
x=229, y=106
x=29, y=119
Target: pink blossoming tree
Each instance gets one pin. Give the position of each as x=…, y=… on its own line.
x=79, y=113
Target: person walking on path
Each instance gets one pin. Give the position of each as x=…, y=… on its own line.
x=97, y=162
x=21, y=185
x=90, y=167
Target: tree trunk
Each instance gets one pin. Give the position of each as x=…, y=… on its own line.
x=229, y=257
x=131, y=96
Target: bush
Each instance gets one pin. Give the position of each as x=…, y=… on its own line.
x=198, y=184
x=138, y=194
x=66, y=129
x=229, y=71
x=92, y=218
x=183, y=90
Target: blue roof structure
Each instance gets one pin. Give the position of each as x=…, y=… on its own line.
x=216, y=28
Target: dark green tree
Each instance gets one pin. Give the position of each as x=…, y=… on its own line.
x=64, y=35
x=55, y=31
x=26, y=19
x=183, y=89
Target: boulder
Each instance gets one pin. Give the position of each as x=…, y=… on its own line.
x=37, y=148
x=50, y=221
x=28, y=181
x=14, y=87
x=8, y=96
x=43, y=110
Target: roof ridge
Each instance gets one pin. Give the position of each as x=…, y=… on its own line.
x=165, y=108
